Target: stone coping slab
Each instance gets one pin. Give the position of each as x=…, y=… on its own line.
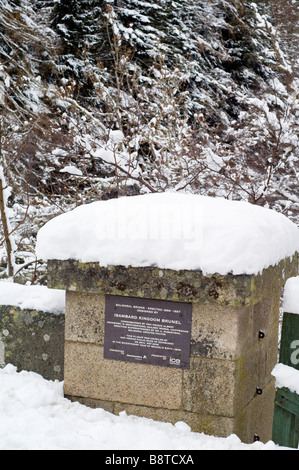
x=166, y=284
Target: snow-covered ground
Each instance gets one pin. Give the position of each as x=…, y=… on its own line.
x=34, y=415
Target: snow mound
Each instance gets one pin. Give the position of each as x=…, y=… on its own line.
x=291, y=296
x=34, y=415
x=286, y=377
x=71, y=170
x=32, y=297
x=172, y=231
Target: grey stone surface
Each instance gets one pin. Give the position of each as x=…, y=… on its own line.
x=32, y=340
x=155, y=283
x=88, y=374
x=230, y=360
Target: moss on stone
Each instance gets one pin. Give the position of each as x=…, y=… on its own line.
x=23, y=335
x=166, y=284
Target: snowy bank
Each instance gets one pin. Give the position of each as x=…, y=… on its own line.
x=286, y=377
x=172, y=231
x=291, y=296
x=34, y=415
x=32, y=297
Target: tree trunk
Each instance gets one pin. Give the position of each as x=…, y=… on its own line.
x=10, y=267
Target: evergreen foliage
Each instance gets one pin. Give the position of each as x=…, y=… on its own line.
x=78, y=24
x=140, y=96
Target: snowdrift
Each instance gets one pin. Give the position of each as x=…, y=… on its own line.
x=172, y=231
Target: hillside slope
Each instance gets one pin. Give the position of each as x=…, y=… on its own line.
x=106, y=98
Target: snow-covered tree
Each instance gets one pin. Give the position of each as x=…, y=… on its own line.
x=103, y=98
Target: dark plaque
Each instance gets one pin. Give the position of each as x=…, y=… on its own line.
x=148, y=331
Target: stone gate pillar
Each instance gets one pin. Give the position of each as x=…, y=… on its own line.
x=224, y=328
x=172, y=307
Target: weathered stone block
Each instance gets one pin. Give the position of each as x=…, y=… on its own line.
x=153, y=283
x=209, y=387
x=32, y=340
x=216, y=330
x=88, y=374
x=233, y=348
x=254, y=369
x=255, y=421
x=85, y=317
